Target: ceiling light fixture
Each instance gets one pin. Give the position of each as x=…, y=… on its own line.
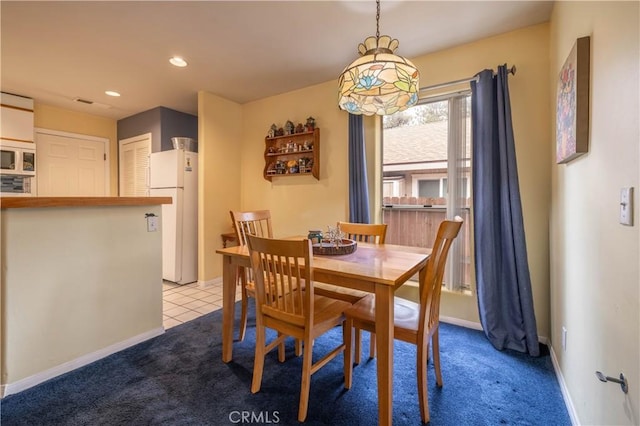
x=379, y=82
x=178, y=61
x=112, y=93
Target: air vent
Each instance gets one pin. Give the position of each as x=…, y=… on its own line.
x=83, y=101
x=94, y=104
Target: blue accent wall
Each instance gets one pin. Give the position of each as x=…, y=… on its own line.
x=174, y=123
x=163, y=124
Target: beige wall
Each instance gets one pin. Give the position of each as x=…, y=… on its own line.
x=595, y=260
x=54, y=118
x=297, y=203
x=219, y=140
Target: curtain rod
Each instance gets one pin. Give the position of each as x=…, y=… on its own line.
x=511, y=70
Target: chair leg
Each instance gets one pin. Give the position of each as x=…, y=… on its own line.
x=423, y=392
x=435, y=348
x=358, y=353
x=243, y=315
x=307, y=363
x=298, y=347
x=280, y=349
x=372, y=345
x=258, y=361
x=347, y=332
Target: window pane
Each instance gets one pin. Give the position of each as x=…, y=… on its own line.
x=429, y=188
x=428, y=147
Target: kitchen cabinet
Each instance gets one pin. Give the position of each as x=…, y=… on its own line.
x=16, y=118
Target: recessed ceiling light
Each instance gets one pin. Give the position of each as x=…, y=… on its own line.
x=178, y=61
x=112, y=93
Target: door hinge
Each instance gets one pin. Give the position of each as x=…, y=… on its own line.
x=105, y=156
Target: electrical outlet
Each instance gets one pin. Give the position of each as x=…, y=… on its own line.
x=152, y=223
x=626, y=206
x=564, y=338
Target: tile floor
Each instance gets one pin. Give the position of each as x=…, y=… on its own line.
x=182, y=303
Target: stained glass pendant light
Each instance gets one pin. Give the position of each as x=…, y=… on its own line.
x=378, y=82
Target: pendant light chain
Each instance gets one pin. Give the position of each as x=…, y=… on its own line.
x=377, y=20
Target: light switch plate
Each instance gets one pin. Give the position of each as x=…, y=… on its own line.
x=626, y=206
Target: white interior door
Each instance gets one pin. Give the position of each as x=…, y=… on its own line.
x=71, y=165
x=134, y=166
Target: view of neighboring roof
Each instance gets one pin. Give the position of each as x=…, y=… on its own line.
x=414, y=144
x=419, y=143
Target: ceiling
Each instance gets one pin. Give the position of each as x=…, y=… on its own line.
x=56, y=52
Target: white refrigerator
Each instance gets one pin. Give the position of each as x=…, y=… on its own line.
x=174, y=174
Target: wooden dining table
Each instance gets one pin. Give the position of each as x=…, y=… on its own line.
x=378, y=269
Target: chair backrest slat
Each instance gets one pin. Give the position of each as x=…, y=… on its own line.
x=431, y=286
x=374, y=233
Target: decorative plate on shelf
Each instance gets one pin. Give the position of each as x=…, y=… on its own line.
x=328, y=248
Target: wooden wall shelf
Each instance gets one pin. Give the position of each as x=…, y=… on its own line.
x=297, y=154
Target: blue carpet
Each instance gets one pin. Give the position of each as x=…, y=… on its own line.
x=179, y=379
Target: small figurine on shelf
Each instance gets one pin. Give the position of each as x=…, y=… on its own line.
x=288, y=127
x=272, y=131
x=299, y=128
x=293, y=166
x=311, y=124
x=280, y=132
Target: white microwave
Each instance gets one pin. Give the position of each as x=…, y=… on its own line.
x=17, y=158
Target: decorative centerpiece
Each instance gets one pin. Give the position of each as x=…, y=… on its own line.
x=334, y=243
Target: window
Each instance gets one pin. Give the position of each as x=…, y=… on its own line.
x=431, y=188
x=426, y=153
x=393, y=187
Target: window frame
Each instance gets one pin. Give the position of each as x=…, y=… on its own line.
x=459, y=156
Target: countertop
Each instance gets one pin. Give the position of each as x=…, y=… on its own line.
x=39, y=202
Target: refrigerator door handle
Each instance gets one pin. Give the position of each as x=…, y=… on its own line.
x=148, y=175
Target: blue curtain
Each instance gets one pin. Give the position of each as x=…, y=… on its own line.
x=358, y=186
x=505, y=301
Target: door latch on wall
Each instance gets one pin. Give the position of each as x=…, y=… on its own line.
x=622, y=380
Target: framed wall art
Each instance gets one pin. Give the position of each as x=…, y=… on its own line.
x=572, y=108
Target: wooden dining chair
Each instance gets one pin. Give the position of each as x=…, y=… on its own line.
x=257, y=222
x=374, y=233
x=285, y=302
x=415, y=323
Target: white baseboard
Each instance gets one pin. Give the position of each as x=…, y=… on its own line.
x=210, y=283
x=477, y=326
x=461, y=322
x=26, y=383
x=563, y=388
